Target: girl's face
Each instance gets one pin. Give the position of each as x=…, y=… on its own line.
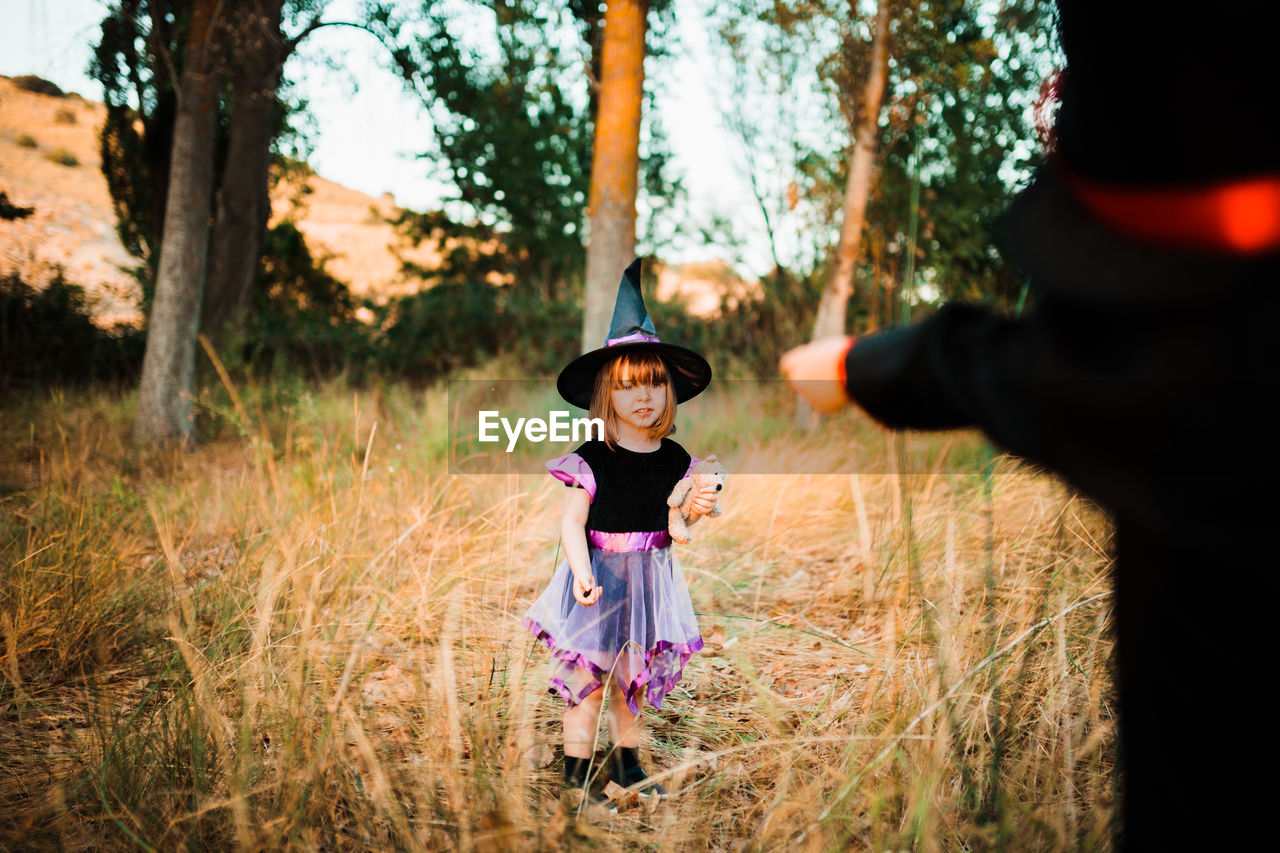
x=639, y=404
x=634, y=397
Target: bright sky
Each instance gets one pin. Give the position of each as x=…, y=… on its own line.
x=370, y=130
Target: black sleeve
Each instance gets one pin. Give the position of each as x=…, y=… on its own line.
x=1096, y=396
x=963, y=367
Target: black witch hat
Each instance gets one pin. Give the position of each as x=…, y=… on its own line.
x=631, y=330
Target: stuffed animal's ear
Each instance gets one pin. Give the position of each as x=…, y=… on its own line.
x=711, y=458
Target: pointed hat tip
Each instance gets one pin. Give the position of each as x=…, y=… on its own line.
x=629, y=314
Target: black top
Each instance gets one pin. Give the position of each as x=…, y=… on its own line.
x=632, y=488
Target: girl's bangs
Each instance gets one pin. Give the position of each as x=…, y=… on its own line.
x=644, y=368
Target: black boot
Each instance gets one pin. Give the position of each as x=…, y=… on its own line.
x=628, y=773
x=577, y=776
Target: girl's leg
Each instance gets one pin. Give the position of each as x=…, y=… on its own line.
x=624, y=726
x=580, y=723
x=624, y=729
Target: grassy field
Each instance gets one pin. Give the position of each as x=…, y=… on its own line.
x=305, y=635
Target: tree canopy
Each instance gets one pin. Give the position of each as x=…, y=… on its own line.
x=962, y=77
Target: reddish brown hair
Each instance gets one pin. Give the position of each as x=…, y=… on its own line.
x=644, y=367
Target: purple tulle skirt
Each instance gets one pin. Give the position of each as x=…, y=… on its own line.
x=640, y=633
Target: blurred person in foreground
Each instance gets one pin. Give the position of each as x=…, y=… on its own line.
x=1144, y=374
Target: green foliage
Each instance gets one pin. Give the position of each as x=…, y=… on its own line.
x=515, y=128
x=963, y=86
x=961, y=81
x=428, y=336
x=305, y=323
x=137, y=61
x=515, y=140
x=751, y=336
x=774, y=105
x=432, y=333
x=46, y=337
x=303, y=318
x=539, y=335
x=39, y=85
x=62, y=157
x=469, y=251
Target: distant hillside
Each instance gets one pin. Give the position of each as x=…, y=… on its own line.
x=74, y=226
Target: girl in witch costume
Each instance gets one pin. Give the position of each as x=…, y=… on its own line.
x=617, y=613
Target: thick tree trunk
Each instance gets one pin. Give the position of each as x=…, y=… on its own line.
x=165, y=394
x=243, y=201
x=835, y=296
x=615, y=164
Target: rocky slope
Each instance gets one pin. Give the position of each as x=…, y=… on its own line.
x=49, y=160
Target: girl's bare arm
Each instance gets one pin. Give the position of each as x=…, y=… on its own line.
x=573, y=533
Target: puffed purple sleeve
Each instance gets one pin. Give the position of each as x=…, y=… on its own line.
x=572, y=470
x=693, y=461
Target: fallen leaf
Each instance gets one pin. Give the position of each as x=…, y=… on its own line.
x=572, y=799
x=716, y=636
x=623, y=798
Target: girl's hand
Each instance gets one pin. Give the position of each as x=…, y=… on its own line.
x=816, y=372
x=586, y=592
x=705, y=500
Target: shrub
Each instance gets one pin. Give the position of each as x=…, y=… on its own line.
x=542, y=336
x=302, y=317
x=46, y=336
x=10, y=211
x=65, y=116
x=435, y=332
x=39, y=85
x=26, y=140
x=752, y=335
x=62, y=157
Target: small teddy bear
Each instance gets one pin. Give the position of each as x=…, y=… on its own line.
x=708, y=472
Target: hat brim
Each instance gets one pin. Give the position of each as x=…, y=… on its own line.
x=689, y=372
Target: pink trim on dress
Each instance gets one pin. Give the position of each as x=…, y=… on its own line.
x=634, y=540
x=574, y=470
x=663, y=666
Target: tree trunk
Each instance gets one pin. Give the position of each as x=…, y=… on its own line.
x=835, y=296
x=615, y=164
x=243, y=201
x=165, y=394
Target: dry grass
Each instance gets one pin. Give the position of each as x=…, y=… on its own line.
x=306, y=635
